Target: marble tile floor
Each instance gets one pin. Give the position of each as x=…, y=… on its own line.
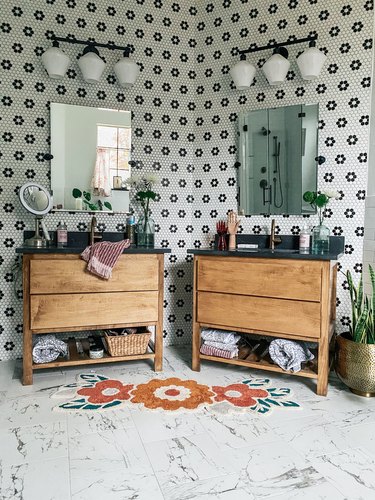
x=326, y=450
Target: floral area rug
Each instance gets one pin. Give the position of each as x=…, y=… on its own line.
x=93, y=392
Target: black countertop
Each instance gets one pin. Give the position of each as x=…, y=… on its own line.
x=79, y=240
x=264, y=254
x=65, y=250
x=288, y=249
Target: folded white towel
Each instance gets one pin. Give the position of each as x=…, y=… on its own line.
x=220, y=336
x=289, y=355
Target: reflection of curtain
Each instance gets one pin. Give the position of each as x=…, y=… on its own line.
x=100, y=183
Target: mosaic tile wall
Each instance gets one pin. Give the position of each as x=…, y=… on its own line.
x=184, y=111
x=162, y=103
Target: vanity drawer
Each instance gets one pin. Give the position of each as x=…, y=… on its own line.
x=259, y=313
x=288, y=279
x=92, y=309
x=69, y=275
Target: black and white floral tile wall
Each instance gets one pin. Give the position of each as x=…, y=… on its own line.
x=184, y=111
x=162, y=104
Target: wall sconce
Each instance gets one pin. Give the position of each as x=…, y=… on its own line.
x=310, y=63
x=277, y=66
x=243, y=73
x=126, y=70
x=90, y=63
x=55, y=61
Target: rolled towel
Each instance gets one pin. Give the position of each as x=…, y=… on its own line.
x=213, y=351
x=289, y=355
x=220, y=336
x=48, y=348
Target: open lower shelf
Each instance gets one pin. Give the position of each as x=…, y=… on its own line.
x=76, y=359
x=263, y=364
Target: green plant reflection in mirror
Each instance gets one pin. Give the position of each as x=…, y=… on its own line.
x=87, y=200
x=277, y=151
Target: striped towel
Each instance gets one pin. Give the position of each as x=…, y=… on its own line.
x=221, y=345
x=101, y=257
x=214, y=351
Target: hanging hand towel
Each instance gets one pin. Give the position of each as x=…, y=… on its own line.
x=289, y=355
x=102, y=257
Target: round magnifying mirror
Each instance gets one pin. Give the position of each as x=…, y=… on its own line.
x=37, y=200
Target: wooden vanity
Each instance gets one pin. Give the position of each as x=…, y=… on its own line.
x=278, y=297
x=59, y=295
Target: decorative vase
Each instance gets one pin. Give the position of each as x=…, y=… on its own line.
x=222, y=242
x=320, y=240
x=146, y=232
x=79, y=204
x=355, y=365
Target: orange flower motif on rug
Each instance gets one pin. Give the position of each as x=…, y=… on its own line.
x=106, y=391
x=93, y=392
x=238, y=394
x=172, y=394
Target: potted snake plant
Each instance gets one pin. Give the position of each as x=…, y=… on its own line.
x=355, y=349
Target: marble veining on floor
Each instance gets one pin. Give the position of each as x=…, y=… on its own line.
x=325, y=450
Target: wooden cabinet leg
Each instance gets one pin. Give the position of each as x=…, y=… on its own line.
x=196, y=362
x=158, y=360
x=323, y=346
x=27, y=378
x=323, y=368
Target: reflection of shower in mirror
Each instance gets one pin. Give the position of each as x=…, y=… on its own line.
x=277, y=185
x=277, y=150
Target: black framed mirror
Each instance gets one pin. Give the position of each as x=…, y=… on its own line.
x=278, y=149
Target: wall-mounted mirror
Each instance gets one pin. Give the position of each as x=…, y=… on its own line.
x=277, y=154
x=91, y=152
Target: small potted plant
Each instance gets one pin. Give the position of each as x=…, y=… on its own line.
x=320, y=233
x=355, y=349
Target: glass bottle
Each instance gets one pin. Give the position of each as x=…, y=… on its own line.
x=130, y=229
x=320, y=240
x=62, y=235
x=304, y=240
x=146, y=232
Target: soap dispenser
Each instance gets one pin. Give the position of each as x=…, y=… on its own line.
x=62, y=235
x=304, y=240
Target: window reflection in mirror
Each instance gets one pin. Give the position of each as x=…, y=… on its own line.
x=277, y=151
x=91, y=151
x=114, y=144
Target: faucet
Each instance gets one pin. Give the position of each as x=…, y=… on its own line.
x=274, y=239
x=94, y=235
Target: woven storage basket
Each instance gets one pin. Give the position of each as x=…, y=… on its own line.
x=127, y=345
